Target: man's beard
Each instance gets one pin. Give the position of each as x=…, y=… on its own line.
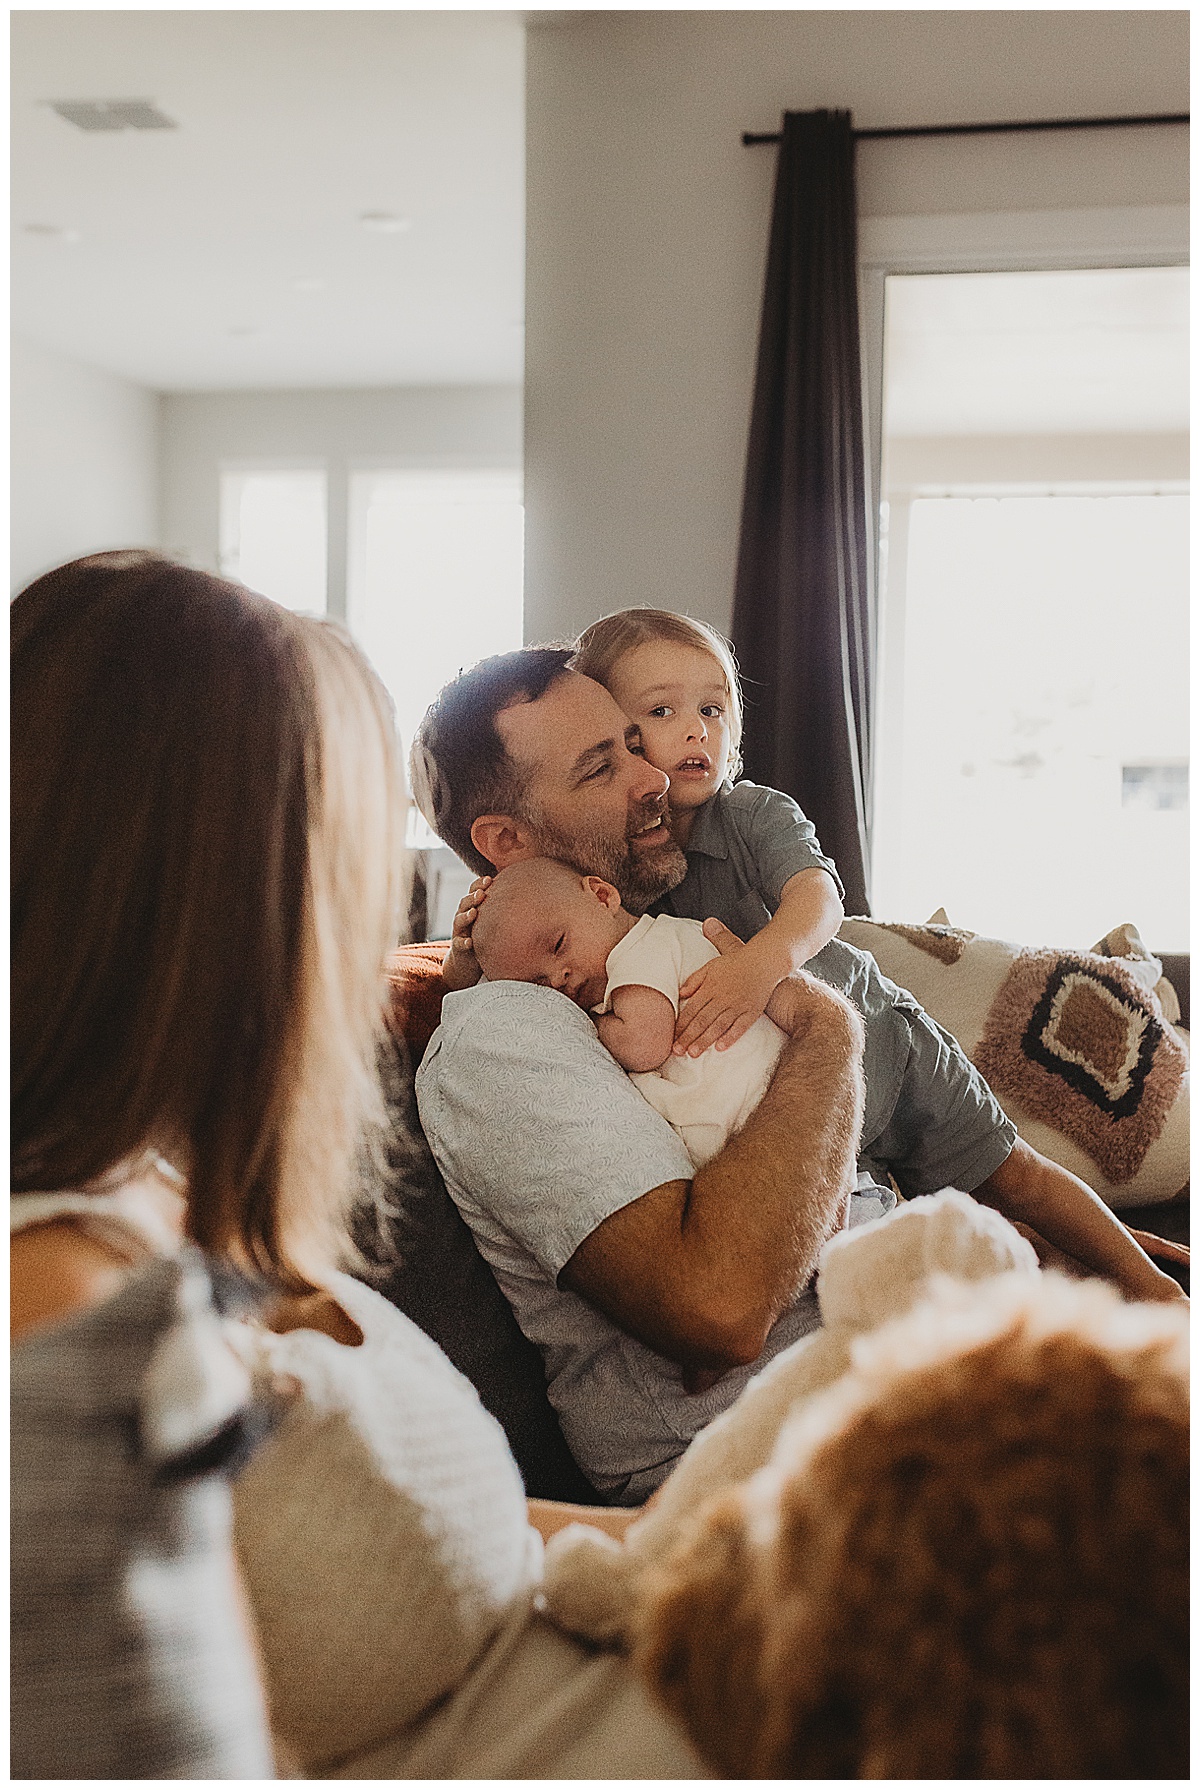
x=639, y=877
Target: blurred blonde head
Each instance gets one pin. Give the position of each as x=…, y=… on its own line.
x=206, y=833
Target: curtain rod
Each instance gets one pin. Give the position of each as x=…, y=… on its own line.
x=749, y=138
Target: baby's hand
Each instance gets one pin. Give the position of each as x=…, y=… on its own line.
x=461, y=967
x=720, y=1002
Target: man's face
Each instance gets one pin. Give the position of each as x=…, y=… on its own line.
x=589, y=798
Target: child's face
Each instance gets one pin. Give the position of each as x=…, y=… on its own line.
x=560, y=940
x=679, y=699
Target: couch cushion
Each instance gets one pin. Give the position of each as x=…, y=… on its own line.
x=416, y=988
x=1074, y=1044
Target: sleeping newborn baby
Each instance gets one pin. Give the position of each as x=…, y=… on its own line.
x=540, y=921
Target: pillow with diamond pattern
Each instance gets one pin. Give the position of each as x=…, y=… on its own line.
x=1075, y=1045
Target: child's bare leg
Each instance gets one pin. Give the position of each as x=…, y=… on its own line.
x=1030, y=1189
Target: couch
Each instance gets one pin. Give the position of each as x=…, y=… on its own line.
x=422, y=1257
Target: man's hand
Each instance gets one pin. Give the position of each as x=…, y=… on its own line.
x=461, y=967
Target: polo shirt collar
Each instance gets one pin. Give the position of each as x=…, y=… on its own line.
x=708, y=830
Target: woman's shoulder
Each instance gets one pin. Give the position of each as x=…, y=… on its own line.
x=150, y=1371
x=73, y=1250
x=58, y=1271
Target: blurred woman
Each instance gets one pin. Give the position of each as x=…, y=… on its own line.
x=204, y=886
x=206, y=823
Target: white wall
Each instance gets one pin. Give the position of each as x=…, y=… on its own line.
x=84, y=458
x=647, y=232
x=432, y=426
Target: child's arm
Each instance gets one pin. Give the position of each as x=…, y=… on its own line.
x=1063, y=1209
x=640, y=1027
x=460, y=966
x=723, y=998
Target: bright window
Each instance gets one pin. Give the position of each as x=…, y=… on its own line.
x=435, y=578
x=1032, y=741
x=273, y=534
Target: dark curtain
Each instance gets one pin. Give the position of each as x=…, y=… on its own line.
x=803, y=619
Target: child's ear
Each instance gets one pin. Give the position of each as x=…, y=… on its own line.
x=604, y=892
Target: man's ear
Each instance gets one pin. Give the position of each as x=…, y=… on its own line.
x=604, y=892
x=503, y=840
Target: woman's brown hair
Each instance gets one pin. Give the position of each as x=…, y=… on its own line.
x=600, y=647
x=205, y=832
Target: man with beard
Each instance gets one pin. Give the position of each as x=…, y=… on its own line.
x=653, y=1292
x=523, y=758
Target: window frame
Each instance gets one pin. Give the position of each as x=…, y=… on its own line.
x=981, y=242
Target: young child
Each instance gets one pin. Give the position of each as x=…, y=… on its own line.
x=753, y=858
x=754, y=863
x=543, y=922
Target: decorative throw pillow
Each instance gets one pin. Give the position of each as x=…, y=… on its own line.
x=1075, y=1045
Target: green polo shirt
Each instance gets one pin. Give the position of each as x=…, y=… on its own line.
x=931, y=1119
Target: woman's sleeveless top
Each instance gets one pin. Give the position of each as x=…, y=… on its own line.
x=131, y=1656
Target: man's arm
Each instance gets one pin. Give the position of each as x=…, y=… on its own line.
x=700, y=1270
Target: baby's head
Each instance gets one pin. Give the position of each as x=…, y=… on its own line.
x=543, y=922
x=676, y=678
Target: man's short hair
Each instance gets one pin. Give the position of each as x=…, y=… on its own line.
x=459, y=766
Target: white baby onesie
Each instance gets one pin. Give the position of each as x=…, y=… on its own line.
x=705, y=1098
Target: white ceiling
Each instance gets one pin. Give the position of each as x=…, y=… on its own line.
x=229, y=253
x=1038, y=353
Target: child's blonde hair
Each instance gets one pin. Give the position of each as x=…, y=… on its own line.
x=600, y=647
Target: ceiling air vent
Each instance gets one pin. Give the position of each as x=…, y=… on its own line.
x=113, y=114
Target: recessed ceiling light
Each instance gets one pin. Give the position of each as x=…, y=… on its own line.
x=52, y=232
x=112, y=114
x=384, y=223
x=245, y=329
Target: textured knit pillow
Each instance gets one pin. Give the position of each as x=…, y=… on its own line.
x=1074, y=1044
x=381, y=1530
